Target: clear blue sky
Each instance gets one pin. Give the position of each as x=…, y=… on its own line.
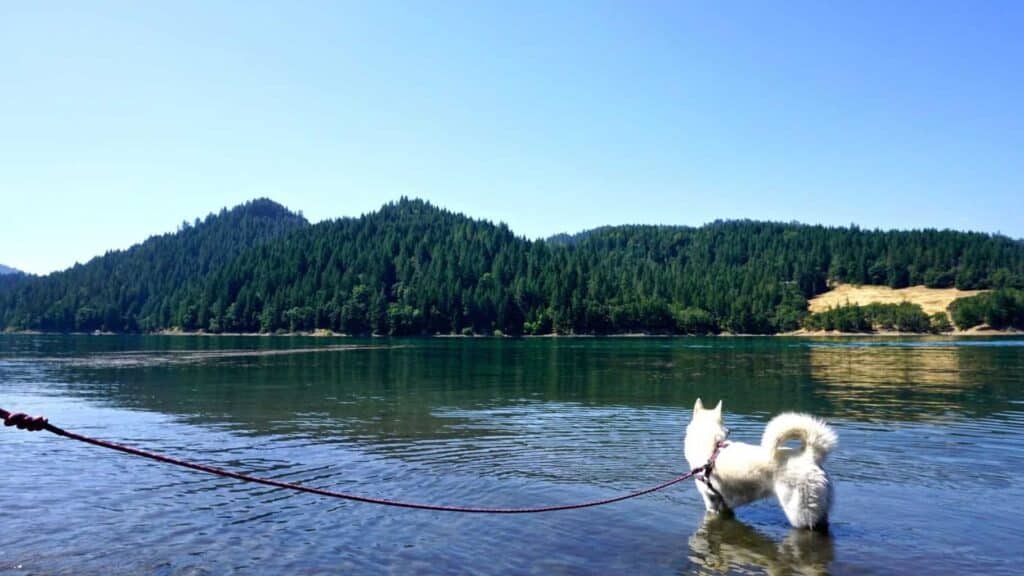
x=120, y=120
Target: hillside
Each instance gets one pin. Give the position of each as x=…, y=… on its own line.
x=931, y=300
x=8, y=270
x=138, y=288
x=412, y=268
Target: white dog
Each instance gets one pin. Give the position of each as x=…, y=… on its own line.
x=743, y=473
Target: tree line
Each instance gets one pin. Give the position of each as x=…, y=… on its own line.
x=902, y=317
x=411, y=268
x=998, y=309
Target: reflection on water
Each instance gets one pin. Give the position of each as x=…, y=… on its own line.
x=868, y=367
x=723, y=544
x=926, y=381
x=927, y=429
x=370, y=390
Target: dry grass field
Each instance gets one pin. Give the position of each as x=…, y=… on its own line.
x=932, y=300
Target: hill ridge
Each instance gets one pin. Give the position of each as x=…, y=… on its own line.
x=411, y=267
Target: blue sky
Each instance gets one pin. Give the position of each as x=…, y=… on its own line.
x=121, y=120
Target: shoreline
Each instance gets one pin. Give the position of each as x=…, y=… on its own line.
x=321, y=333
x=969, y=333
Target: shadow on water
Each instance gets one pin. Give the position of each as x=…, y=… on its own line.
x=724, y=544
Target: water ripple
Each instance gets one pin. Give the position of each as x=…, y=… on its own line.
x=927, y=431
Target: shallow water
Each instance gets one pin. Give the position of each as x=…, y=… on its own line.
x=928, y=471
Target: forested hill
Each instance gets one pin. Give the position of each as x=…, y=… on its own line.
x=141, y=287
x=411, y=268
x=8, y=270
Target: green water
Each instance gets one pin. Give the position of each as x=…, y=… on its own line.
x=928, y=471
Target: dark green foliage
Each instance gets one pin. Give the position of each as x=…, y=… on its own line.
x=940, y=323
x=411, y=269
x=849, y=318
x=1003, y=308
x=156, y=284
x=904, y=317
x=968, y=312
x=693, y=321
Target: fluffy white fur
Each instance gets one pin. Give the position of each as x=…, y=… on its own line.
x=744, y=473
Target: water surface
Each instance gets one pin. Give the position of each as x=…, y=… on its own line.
x=928, y=470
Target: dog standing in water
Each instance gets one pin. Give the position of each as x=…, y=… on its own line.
x=743, y=473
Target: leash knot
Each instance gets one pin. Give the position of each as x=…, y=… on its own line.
x=23, y=421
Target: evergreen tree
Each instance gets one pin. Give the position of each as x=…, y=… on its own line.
x=411, y=268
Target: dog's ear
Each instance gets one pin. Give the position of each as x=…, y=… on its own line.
x=698, y=406
x=718, y=408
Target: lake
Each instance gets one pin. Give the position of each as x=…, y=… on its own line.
x=928, y=471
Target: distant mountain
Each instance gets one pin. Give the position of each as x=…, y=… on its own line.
x=413, y=268
x=8, y=270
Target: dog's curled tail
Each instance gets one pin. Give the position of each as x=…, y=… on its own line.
x=818, y=438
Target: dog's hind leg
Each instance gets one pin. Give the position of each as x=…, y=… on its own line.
x=805, y=497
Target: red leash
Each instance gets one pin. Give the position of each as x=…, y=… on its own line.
x=35, y=424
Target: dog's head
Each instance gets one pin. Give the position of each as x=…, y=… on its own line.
x=707, y=418
x=704, y=431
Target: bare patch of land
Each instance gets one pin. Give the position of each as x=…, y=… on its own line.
x=931, y=300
